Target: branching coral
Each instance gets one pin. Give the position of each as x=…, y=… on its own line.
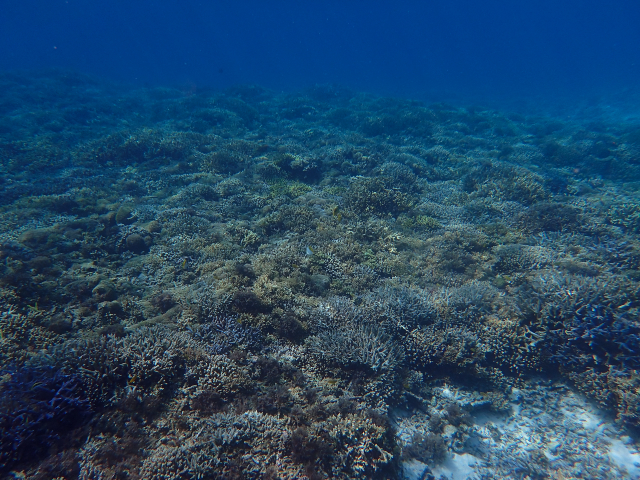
x=38, y=407
x=361, y=347
x=245, y=284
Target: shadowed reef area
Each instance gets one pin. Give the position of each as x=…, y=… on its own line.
x=322, y=284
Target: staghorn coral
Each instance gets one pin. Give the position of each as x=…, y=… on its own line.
x=222, y=333
x=402, y=307
x=550, y=217
x=213, y=380
x=452, y=347
x=19, y=331
x=361, y=445
x=157, y=357
x=399, y=176
x=367, y=196
x=476, y=296
x=428, y=448
x=616, y=255
x=99, y=363
x=228, y=444
x=589, y=329
x=625, y=215
x=514, y=258
x=38, y=407
x=359, y=347
x=353, y=342
x=503, y=182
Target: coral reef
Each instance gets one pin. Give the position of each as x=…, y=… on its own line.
x=326, y=284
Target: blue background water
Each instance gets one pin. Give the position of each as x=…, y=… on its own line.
x=413, y=48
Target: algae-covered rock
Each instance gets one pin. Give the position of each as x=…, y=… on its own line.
x=137, y=243
x=124, y=215
x=105, y=290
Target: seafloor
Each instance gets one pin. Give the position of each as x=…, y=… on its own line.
x=327, y=284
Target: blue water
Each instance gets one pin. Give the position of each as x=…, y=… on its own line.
x=311, y=240
x=496, y=48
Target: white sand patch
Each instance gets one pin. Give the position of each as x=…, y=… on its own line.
x=625, y=458
x=457, y=467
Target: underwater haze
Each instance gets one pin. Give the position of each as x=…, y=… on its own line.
x=319, y=240
x=459, y=47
